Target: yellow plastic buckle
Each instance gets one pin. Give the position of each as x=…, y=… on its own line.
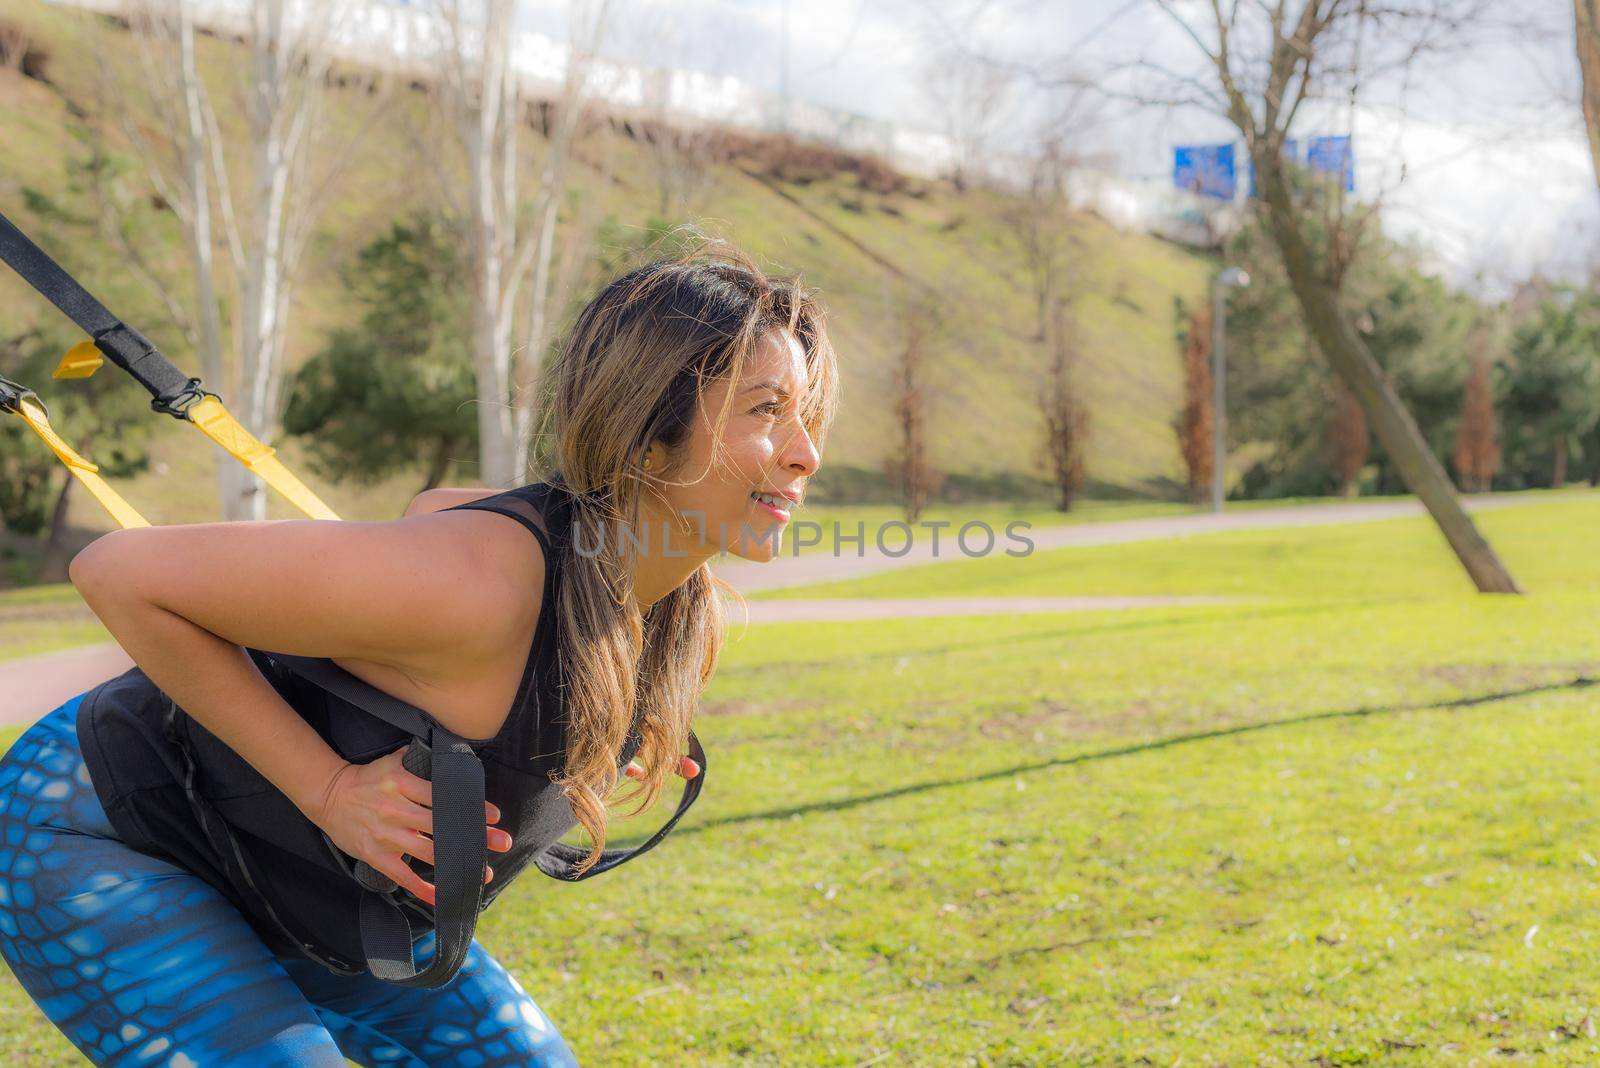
x=81, y=361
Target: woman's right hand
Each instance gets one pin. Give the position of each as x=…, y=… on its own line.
x=379, y=812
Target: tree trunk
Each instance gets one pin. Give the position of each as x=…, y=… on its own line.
x=1587, y=20
x=1386, y=414
x=197, y=232
x=493, y=240
x=531, y=360
x=273, y=126
x=439, y=463
x=53, y=566
x=1558, y=473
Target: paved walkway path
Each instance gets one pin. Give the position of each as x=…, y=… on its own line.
x=846, y=609
x=819, y=564
x=33, y=686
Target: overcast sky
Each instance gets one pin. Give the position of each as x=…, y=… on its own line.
x=1496, y=175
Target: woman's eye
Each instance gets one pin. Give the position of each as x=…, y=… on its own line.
x=771, y=407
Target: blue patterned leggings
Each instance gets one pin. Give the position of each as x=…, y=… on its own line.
x=140, y=962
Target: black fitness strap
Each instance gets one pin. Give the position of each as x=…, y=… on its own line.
x=560, y=860
x=459, y=842
x=121, y=343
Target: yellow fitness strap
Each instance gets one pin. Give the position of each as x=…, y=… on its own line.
x=30, y=411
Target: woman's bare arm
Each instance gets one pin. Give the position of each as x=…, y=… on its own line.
x=217, y=682
x=184, y=600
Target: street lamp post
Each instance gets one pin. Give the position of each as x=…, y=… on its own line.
x=1230, y=276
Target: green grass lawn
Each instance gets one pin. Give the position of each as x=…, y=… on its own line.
x=1348, y=822
x=44, y=619
x=1385, y=558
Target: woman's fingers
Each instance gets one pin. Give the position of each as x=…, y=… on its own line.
x=394, y=866
x=411, y=787
x=419, y=791
x=421, y=847
x=418, y=814
x=686, y=768
x=416, y=844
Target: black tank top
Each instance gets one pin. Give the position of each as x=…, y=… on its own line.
x=172, y=789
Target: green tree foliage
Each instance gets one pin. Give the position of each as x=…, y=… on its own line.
x=396, y=390
x=93, y=225
x=1282, y=396
x=105, y=419
x=1549, y=392
x=1418, y=332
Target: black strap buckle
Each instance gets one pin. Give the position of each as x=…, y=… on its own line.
x=177, y=404
x=12, y=394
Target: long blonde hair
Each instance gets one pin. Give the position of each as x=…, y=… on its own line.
x=633, y=369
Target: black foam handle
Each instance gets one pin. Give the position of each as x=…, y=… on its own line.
x=418, y=760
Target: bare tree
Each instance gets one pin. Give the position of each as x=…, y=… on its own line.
x=1041, y=220
x=289, y=61
x=1477, y=446
x=1193, y=425
x=551, y=287
x=509, y=237
x=682, y=147
x=1063, y=404
x=911, y=470
x=970, y=94
x=267, y=228
x=1587, y=24
x=1266, y=60
x=167, y=94
x=1346, y=443
x=683, y=150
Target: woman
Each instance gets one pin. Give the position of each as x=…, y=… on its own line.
x=684, y=415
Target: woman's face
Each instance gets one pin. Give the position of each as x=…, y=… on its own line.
x=762, y=448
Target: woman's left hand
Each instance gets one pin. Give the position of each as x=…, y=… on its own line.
x=686, y=767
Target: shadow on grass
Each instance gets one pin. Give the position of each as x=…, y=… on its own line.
x=1577, y=683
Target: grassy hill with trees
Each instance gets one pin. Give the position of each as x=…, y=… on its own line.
x=860, y=233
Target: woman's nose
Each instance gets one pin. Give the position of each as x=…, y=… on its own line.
x=802, y=453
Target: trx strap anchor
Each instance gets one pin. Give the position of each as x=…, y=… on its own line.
x=173, y=393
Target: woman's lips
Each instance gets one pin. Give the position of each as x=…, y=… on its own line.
x=777, y=513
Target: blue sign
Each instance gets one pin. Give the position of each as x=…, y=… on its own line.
x=1333, y=155
x=1205, y=169
x=1291, y=152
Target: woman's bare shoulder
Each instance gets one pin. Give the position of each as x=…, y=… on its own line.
x=441, y=600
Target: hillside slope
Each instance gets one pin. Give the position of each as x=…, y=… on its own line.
x=858, y=248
